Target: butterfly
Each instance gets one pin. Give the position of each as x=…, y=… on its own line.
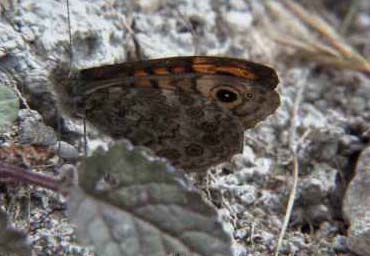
x=191, y=110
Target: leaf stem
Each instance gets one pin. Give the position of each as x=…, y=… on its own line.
x=14, y=174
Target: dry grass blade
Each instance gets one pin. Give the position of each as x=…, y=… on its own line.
x=330, y=49
x=276, y=26
x=5, y=5
x=349, y=17
x=293, y=145
x=319, y=26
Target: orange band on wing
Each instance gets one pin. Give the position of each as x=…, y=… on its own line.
x=200, y=60
x=240, y=72
x=161, y=71
x=205, y=68
x=140, y=73
x=178, y=70
x=143, y=83
x=234, y=71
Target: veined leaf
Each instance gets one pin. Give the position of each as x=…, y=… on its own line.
x=132, y=203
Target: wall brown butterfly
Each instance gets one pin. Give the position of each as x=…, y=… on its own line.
x=192, y=110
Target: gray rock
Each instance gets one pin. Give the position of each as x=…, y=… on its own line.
x=312, y=215
x=327, y=229
x=247, y=194
x=263, y=236
x=66, y=150
x=297, y=244
x=239, y=250
x=312, y=206
x=247, y=158
x=32, y=130
x=311, y=191
x=270, y=201
x=323, y=144
x=314, y=119
x=340, y=244
x=356, y=207
x=350, y=143
x=325, y=175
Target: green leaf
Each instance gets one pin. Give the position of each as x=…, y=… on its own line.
x=132, y=203
x=8, y=107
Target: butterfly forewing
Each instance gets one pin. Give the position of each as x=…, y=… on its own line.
x=195, y=65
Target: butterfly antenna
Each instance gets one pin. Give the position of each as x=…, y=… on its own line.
x=71, y=58
x=70, y=35
x=190, y=26
x=85, y=136
x=58, y=116
x=138, y=52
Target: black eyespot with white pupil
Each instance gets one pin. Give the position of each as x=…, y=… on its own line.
x=249, y=95
x=226, y=96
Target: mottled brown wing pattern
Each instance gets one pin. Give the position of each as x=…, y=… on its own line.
x=191, y=110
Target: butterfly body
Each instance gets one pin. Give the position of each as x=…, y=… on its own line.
x=191, y=110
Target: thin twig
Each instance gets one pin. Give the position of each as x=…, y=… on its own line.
x=293, y=120
x=290, y=203
x=294, y=149
x=20, y=96
x=13, y=174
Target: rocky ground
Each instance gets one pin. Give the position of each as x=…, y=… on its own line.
x=326, y=108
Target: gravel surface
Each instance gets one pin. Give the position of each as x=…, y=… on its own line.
x=251, y=192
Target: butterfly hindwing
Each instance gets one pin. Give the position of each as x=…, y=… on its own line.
x=192, y=132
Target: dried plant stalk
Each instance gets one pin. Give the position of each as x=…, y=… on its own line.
x=312, y=37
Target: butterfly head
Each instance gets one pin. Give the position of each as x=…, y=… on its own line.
x=65, y=86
